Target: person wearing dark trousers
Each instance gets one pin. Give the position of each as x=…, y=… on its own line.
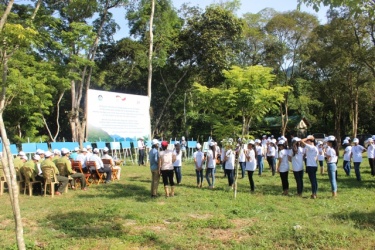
x=99, y=164
x=141, y=152
x=347, y=157
x=283, y=166
x=371, y=155
x=166, y=159
x=311, y=163
x=251, y=163
x=296, y=157
x=229, y=166
x=177, y=164
x=271, y=154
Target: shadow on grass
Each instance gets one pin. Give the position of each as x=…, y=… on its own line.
x=119, y=190
x=363, y=220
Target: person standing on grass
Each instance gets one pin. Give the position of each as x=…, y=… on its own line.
x=178, y=162
x=222, y=157
x=347, y=156
x=210, y=165
x=311, y=165
x=331, y=154
x=166, y=159
x=260, y=155
x=271, y=153
x=240, y=151
x=251, y=163
x=230, y=156
x=357, y=151
x=183, y=148
x=141, y=151
x=199, y=165
x=283, y=166
x=296, y=154
x=371, y=155
x=154, y=167
x=321, y=156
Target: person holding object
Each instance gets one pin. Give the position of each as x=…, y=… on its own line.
x=311, y=163
x=154, y=167
x=331, y=154
x=166, y=159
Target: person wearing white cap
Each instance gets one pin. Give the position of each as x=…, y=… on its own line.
x=230, y=156
x=296, y=154
x=153, y=155
x=74, y=154
x=311, y=165
x=112, y=165
x=251, y=163
x=56, y=155
x=211, y=165
x=177, y=164
x=240, y=151
x=271, y=153
x=347, y=157
x=41, y=153
x=18, y=161
x=332, y=157
x=82, y=157
x=199, y=164
x=183, y=147
x=371, y=155
x=32, y=164
x=100, y=166
x=357, y=151
x=89, y=152
x=283, y=166
x=65, y=163
x=321, y=156
x=63, y=179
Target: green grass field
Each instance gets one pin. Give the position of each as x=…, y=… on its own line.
x=122, y=215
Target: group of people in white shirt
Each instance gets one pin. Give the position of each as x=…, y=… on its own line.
x=301, y=153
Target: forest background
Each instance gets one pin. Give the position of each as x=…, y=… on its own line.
x=214, y=72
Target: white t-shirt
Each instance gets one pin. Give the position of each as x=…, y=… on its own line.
x=259, y=150
x=166, y=159
x=331, y=153
x=284, y=163
x=222, y=156
x=211, y=163
x=297, y=159
x=357, y=153
x=198, y=157
x=277, y=152
x=348, y=151
x=251, y=163
x=321, y=154
x=140, y=144
x=229, y=163
x=370, y=151
x=178, y=160
x=271, y=151
x=311, y=155
x=241, y=155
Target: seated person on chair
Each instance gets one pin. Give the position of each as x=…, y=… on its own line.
x=56, y=155
x=99, y=164
x=74, y=154
x=49, y=163
x=18, y=163
x=37, y=174
x=68, y=168
x=108, y=157
x=82, y=157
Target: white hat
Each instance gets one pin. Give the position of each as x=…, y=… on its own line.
x=373, y=137
x=176, y=143
x=347, y=138
x=252, y=142
x=89, y=147
x=199, y=146
x=264, y=136
x=96, y=151
x=273, y=141
x=355, y=140
x=36, y=157
x=325, y=139
x=257, y=141
x=310, y=137
x=84, y=150
x=39, y=151
x=211, y=144
x=48, y=154
x=24, y=157
x=76, y=149
x=370, y=140
x=65, y=151
x=345, y=142
x=331, y=138
x=155, y=141
x=105, y=149
x=296, y=139
x=281, y=142
x=183, y=138
x=283, y=138
x=21, y=153
x=56, y=152
x=320, y=143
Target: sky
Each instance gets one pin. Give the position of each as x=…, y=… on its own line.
x=247, y=6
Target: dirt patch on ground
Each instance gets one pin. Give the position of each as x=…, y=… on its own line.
x=5, y=223
x=200, y=216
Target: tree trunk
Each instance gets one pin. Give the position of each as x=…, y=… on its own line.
x=5, y=15
x=284, y=116
x=7, y=161
x=355, y=112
